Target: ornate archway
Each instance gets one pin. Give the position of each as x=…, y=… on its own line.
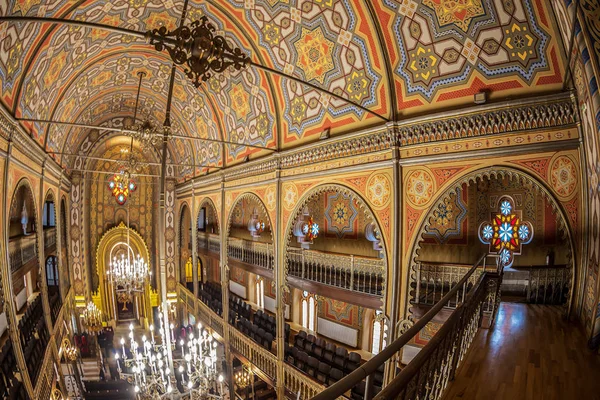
x=113, y=241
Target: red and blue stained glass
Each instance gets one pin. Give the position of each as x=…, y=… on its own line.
x=121, y=187
x=507, y=232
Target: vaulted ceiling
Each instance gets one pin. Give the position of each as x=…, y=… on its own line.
x=394, y=58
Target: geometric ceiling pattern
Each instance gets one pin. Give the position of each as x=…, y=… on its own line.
x=394, y=58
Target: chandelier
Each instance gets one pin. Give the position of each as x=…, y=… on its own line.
x=91, y=318
x=198, y=49
x=147, y=134
x=129, y=274
x=158, y=370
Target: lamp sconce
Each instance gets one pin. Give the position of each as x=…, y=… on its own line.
x=255, y=226
x=372, y=234
x=306, y=229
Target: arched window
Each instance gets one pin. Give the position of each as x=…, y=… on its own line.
x=379, y=333
x=260, y=293
x=51, y=271
x=189, y=273
x=309, y=308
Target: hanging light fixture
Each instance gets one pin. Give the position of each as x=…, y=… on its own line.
x=198, y=49
x=160, y=369
x=144, y=132
x=128, y=273
x=91, y=319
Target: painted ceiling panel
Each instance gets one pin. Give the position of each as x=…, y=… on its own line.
x=443, y=51
x=391, y=57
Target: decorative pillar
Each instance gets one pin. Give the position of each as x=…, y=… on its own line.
x=194, y=239
x=282, y=289
x=394, y=282
x=39, y=226
x=225, y=291
x=80, y=281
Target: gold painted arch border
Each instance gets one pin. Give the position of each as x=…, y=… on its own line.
x=471, y=177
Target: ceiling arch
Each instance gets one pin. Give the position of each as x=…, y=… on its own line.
x=394, y=58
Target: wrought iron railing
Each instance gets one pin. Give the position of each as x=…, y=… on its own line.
x=21, y=251
x=428, y=374
x=250, y=252
x=435, y=280
x=548, y=285
x=360, y=274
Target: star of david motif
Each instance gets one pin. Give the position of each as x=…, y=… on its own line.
x=507, y=232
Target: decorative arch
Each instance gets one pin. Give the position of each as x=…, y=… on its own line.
x=184, y=252
x=63, y=231
x=109, y=240
x=363, y=205
x=493, y=172
x=263, y=208
x=211, y=204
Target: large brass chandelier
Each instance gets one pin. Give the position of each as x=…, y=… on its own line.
x=91, y=319
x=160, y=369
x=129, y=274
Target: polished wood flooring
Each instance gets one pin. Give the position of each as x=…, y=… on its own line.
x=531, y=352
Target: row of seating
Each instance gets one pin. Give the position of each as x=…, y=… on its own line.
x=35, y=350
x=325, y=361
x=27, y=324
x=259, y=335
x=327, y=352
x=10, y=387
x=239, y=306
x=265, y=321
x=210, y=294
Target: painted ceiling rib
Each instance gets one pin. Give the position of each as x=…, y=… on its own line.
x=125, y=131
x=320, y=89
x=124, y=160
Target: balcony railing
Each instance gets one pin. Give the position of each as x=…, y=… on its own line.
x=428, y=374
x=255, y=253
x=355, y=273
x=22, y=250
x=209, y=241
x=302, y=386
x=253, y=352
x=49, y=237
x=435, y=280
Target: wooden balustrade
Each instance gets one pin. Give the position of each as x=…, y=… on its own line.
x=247, y=251
x=208, y=241
x=355, y=273
x=434, y=280
x=206, y=315
x=22, y=250
x=253, y=352
x=301, y=385
x=49, y=237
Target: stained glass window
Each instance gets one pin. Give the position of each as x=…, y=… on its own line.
x=121, y=186
x=507, y=232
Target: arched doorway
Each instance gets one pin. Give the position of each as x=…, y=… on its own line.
x=185, y=247
x=119, y=307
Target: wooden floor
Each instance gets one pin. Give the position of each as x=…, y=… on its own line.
x=531, y=352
